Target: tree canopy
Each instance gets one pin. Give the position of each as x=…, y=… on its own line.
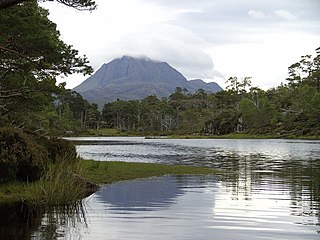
x=32, y=56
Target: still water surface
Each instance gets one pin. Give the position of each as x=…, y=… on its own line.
x=270, y=191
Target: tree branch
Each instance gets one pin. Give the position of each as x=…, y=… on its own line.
x=9, y=3
x=87, y=5
x=12, y=95
x=5, y=94
x=5, y=49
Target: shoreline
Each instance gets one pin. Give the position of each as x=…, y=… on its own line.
x=104, y=172
x=163, y=135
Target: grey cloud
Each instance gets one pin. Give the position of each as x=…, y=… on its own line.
x=181, y=40
x=220, y=21
x=179, y=47
x=186, y=29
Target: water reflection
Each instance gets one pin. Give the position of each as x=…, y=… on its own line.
x=140, y=195
x=63, y=222
x=270, y=190
x=148, y=194
x=19, y=221
x=255, y=166
x=182, y=210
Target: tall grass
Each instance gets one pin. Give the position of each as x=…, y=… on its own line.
x=60, y=184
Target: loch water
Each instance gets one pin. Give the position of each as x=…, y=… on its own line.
x=268, y=189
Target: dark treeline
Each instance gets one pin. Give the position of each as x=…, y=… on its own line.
x=290, y=109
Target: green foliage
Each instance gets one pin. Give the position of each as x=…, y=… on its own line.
x=21, y=157
x=25, y=156
x=31, y=44
x=32, y=55
x=59, y=150
x=223, y=123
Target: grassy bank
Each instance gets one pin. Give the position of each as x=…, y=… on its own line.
x=47, y=192
x=60, y=184
x=109, y=172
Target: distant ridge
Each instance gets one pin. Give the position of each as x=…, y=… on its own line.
x=130, y=78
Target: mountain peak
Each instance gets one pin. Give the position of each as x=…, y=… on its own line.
x=138, y=58
x=131, y=78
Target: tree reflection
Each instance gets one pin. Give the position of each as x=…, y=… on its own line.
x=252, y=172
x=20, y=221
x=58, y=222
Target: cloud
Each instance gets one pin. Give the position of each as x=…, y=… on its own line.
x=275, y=15
x=285, y=15
x=178, y=46
x=191, y=35
x=257, y=14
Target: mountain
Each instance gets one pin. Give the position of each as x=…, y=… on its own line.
x=129, y=78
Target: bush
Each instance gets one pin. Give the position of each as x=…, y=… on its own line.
x=25, y=155
x=59, y=149
x=21, y=156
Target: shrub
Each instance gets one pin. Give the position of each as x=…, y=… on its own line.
x=59, y=149
x=21, y=156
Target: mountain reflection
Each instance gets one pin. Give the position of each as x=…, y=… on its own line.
x=147, y=194
x=141, y=195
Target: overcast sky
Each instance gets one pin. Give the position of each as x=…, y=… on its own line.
x=208, y=39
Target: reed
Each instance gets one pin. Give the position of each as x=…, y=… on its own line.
x=59, y=185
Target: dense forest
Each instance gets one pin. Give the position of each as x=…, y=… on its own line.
x=292, y=109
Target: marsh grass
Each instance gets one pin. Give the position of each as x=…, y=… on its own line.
x=11, y=192
x=59, y=185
